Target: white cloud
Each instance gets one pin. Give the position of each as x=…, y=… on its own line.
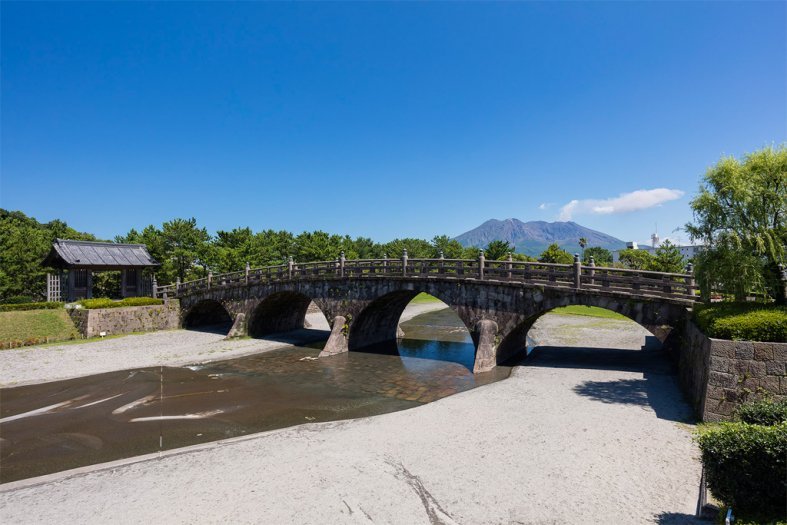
x=625, y=202
x=544, y=205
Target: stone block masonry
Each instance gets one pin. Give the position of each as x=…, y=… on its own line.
x=719, y=375
x=126, y=320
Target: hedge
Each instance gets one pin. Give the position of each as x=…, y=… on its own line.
x=746, y=467
x=30, y=306
x=743, y=321
x=764, y=412
x=94, y=304
x=16, y=299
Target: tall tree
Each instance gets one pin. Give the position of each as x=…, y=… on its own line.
x=636, y=259
x=451, y=248
x=582, y=243
x=741, y=209
x=184, y=244
x=667, y=259
x=556, y=254
x=601, y=256
x=497, y=250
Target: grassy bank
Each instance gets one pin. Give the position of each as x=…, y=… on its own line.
x=589, y=311
x=424, y=298
x=35, y=326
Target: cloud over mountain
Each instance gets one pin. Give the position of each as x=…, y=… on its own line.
x=625, y=202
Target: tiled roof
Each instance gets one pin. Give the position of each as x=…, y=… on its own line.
x=98, y=255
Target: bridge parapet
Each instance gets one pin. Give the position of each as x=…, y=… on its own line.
x=678, y=287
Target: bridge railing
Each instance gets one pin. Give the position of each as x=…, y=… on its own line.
x=576, y=275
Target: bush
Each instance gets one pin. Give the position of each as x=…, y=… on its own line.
x=764, y=412
x=18, y=299
x=743, y=321
x=30, y=306
x=746, y=467
x=94, y=304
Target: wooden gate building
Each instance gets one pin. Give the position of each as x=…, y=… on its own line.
x=77, y=260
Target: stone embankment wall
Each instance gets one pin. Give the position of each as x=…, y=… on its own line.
x=126, y=320
x=718, y=375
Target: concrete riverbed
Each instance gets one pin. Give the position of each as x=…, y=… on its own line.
x=576, y=434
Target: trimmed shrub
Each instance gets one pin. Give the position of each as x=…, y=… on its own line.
x=30, y=306
x=764, y=412
x=18, y=299
x=94, y=304
x=746, y=467
x=743, y=321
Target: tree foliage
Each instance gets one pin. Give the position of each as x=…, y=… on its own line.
x=24, y=242
x=636, y=259
x=601, y=256
x=740, y=213
x=667, y=259
x=498, y=250
x=556, y=254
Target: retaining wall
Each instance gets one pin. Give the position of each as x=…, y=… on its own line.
x=718, y=375
x=127, y=319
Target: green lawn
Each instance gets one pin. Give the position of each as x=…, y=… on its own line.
x=34, y=326
x=423, y=298
x=588, y=311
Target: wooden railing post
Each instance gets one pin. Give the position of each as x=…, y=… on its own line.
x=404, y=262
x=667, y=286
x=248, y=271
x=509, y=265
x=341, y=264
x=210, y=279
x=481, y=262
x=690, y=279
x=592, y=270
x=290, y=265
x=577, y=272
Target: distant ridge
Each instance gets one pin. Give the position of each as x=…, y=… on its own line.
x=531, y=238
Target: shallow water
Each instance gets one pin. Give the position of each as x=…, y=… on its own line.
x=60, y=425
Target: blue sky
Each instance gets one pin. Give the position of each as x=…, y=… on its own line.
x=382, y=119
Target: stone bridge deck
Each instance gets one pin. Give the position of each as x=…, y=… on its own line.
x=497, y=300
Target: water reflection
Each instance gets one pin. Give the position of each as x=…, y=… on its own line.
x=65, y=424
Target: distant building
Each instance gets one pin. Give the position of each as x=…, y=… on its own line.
x=687, y=251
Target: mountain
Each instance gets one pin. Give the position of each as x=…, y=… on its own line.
x=532, y=238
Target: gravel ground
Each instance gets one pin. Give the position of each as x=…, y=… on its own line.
x=576, y=435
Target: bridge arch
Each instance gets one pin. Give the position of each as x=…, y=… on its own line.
x=377, y=324
x=208, y=315
x=659, y=318
x=281, y=311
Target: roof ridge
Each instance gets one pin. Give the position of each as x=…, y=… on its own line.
x=107, y=243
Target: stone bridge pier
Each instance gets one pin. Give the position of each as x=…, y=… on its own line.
x=365, y=313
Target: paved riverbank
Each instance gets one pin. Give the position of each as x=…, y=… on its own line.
x=576, y=436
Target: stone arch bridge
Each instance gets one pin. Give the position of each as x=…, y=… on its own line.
x=363, y=300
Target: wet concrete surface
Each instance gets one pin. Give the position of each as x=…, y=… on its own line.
x=55, y=426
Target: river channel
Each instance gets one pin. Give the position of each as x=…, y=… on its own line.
x=60, y=425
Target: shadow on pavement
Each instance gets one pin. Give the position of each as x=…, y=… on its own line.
x=219, y=328
x=657, y=389
x=677, y=518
